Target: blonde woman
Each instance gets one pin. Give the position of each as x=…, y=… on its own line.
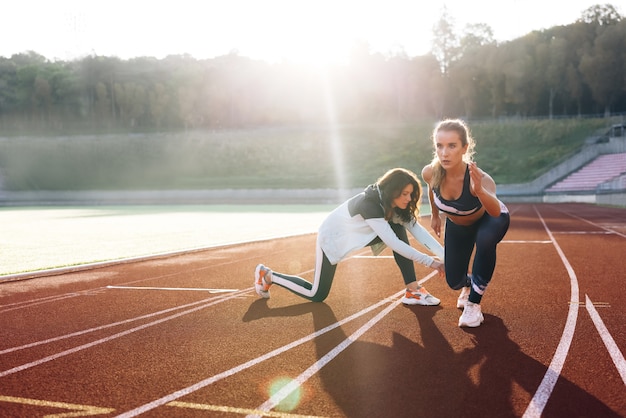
x=475, y=217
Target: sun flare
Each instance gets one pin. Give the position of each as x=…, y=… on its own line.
x=309, y=32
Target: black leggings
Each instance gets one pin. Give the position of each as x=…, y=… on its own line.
x=459, y=242
x=325, y=271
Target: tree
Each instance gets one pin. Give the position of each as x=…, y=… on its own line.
x=517, y=64
x=102, y=103
x=445, y=45
x=41, y=98
x=556, y=61
x=65, y=91
x=603, y=68
x=8, y=86
x=158, y=101
x=580, y=38
x=475, y=36
x=600, y=14
x=468, y=74
x=25, y=77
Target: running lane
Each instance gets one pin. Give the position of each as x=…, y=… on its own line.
x=187, y=336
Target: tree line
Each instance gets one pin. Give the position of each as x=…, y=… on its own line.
x=572, y=70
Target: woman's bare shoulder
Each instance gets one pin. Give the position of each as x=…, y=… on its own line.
x=427, y=173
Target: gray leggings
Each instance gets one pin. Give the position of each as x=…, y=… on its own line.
x=325, y=272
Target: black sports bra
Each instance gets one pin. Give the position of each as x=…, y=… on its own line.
x=465, y=205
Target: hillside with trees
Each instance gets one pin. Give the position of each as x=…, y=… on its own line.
x=565, y=71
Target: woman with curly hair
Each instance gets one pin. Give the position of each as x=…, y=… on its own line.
x=378, y=217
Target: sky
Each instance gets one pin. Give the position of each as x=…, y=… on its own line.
x=307, y=31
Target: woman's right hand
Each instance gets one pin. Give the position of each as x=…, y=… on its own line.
x=439, y=266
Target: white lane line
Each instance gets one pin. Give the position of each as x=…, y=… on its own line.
x=174, y=288
x=608, y=230
x=101, y=327
x=75, y=409
x=609, y=342
x=114, y=336
x=210, y=380
x=232, y=410
x=372, y=256
x=293, y=385
x=286, y=390
x=539, y=400
x=595, y=304
x=34, y=302
x=526, y=242
x=584, y=232
x=29, y=304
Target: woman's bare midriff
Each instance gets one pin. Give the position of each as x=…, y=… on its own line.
x=467, y=220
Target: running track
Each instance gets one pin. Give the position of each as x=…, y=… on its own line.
x=186, y=336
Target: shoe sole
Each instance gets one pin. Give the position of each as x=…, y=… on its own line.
x=416, y=302
x=472, y=324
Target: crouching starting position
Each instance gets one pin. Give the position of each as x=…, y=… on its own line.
x=378, y=217
x=475, y=217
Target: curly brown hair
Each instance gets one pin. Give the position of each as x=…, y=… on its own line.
x=391, y=185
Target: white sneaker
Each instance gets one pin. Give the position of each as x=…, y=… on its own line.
x=463, y=297
x=261, y=284
x=420, y=297
x=472, y=315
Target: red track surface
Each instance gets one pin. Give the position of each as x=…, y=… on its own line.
x=160, y=344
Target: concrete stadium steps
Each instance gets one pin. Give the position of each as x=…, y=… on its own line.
x=603, y=168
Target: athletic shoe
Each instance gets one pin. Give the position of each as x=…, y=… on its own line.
x=471, y=316
x=463, y=297
x=420, y=297
x=261, y=284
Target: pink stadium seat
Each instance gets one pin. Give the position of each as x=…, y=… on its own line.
x=603, y=168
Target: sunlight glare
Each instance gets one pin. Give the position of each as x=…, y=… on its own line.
x=318, y=53
x=335, y=140
x=307, y=32
x=288, y=392
x=311, y=36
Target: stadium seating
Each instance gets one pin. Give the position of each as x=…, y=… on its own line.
x=587, y=178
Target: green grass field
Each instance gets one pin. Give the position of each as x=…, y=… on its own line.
x=513, y=151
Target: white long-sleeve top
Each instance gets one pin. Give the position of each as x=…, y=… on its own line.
x=356, y=222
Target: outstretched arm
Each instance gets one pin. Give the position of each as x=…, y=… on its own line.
x=425, y=238
x=386, y=234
